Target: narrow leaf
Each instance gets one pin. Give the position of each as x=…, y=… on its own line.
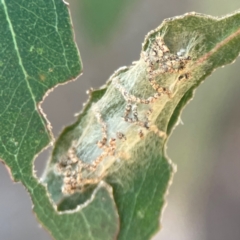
x=37, y=52
x=120, y=136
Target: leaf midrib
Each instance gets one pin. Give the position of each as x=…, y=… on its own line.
x=17, y=51
x=24, y=73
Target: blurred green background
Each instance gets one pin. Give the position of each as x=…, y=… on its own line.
x=204, y=199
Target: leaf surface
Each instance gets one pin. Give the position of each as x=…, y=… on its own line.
x=37, y=52
x=138, y=170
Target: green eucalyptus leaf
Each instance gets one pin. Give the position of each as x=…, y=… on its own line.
x=95, y=187
x=137, y=168
x=37, y=52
